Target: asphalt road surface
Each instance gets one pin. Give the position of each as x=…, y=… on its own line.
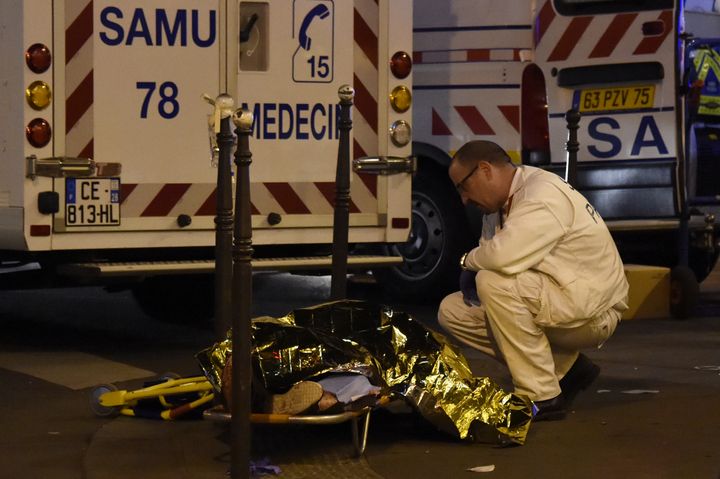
x=56, y=344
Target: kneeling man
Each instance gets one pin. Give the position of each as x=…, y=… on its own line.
x=545, y=280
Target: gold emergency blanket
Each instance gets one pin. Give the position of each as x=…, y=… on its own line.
x=394, y=351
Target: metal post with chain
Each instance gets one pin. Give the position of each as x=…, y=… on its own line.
x=242, y=301
x=224, y=220
x=338, y=284
x=573, y=123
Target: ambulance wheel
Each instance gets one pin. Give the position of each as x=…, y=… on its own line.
x=97, y=408
x=439, y=235
x=684, y=292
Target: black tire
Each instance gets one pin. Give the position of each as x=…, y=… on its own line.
x=439, y=236
x=684, y=292
x=702, y=262
x=177, y=299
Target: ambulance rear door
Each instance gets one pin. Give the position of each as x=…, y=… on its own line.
x=289, y=62
x=134, y=75
x=615, y=62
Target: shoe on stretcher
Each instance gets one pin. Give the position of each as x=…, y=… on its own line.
x=298, y=399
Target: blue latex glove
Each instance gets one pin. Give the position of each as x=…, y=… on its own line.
x=468, y=288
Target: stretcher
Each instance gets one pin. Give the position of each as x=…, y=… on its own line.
x=171, y=397
x=359, y=431
x=167, y=398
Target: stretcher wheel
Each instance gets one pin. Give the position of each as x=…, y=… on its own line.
x=169, y=376
x=684, y=292
x=99, y=409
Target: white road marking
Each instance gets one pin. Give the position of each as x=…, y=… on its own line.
x=71, y=369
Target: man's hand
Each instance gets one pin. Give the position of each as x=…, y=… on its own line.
x=468, y=288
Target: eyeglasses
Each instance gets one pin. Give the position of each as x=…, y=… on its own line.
x=459, y=185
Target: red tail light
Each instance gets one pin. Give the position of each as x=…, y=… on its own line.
x=38, y=58
x=534, y=118
x=401, y=65
x=38, y=132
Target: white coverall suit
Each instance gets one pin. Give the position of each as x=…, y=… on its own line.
x=550, y=282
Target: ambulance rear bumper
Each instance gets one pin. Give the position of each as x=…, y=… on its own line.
x=152, y=268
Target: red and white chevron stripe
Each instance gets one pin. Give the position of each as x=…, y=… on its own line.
x=559, y=38
x=469, y=120
x=366, y=23
x=79, y=78
x=467, y=56
x=145, y=200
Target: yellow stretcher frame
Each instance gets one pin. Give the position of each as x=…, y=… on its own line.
x=107, y=400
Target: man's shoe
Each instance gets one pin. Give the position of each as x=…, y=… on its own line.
x=580, y=376
x=298, y=399
x=549, y=409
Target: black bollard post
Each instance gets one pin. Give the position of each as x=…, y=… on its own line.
x=338, y=283
x=223, y=220
x=242, y=302
x=573, y=121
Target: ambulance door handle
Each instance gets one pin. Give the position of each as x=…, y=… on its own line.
x=384, y=165
x=63, y=166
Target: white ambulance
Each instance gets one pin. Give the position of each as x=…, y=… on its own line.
x=105, y=150
x=508, y=71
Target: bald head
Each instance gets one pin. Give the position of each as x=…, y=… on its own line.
x=482, y=173
x=472, y=152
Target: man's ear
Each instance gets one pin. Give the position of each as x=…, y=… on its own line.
x=485, y=168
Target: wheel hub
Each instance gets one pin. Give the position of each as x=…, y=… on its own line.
x=423, y=249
